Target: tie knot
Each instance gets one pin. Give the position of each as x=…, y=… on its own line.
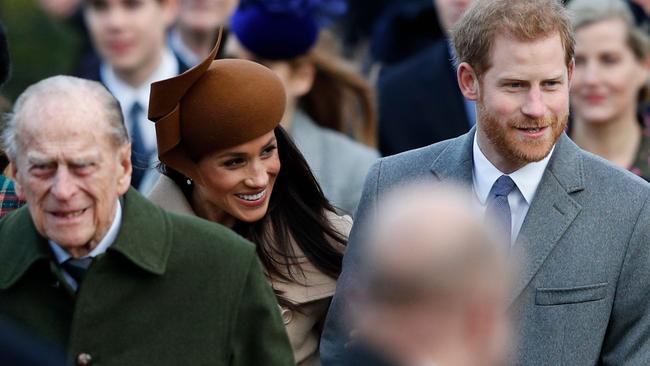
x=136, y=108
x=76, y=267
x=503, y=186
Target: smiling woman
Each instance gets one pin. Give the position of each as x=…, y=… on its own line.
x=226, y=159
x=610, y=83
x=238, y=181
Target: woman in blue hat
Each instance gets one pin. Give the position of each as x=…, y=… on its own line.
x=326, y=102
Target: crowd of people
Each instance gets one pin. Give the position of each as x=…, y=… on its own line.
x=208, y=187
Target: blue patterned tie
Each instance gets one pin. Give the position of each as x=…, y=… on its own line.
x=498, y=208
x=77, y=267
x=139, y=152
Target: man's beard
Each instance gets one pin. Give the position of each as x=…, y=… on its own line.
x=511, y=146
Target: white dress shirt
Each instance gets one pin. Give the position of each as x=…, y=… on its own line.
x=527, y=179
x=108, y=239
x=127, y=95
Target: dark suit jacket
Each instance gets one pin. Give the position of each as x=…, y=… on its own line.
x=171, y=290
x=581, y=295
x=420, y=102
x=17, y=348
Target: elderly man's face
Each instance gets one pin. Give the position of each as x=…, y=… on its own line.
x=523, y=101
x=70, y=171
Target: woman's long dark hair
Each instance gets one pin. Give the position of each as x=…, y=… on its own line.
x=297, y=211
x=339, y=98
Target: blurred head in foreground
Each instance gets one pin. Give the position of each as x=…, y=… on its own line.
x=434, y=283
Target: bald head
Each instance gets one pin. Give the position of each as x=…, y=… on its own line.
x=434, y=280
x=430, y=241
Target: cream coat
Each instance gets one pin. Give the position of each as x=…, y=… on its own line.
x=312, y=295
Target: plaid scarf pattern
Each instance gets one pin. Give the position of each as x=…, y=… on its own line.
x=9, y=200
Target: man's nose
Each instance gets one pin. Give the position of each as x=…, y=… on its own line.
x=534, y=105
x=63, y=187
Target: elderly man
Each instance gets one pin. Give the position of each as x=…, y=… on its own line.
x=434, y=283
x=92, y=266
x=580, y=226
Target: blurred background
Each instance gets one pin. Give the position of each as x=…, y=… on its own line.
x=398, y=47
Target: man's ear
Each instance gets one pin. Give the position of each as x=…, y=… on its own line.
x=13, y=174
x=570, y=67
x=467, y=81
x=124, y=168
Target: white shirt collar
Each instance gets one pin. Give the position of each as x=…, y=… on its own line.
x=108, y=239
x=527, y=178
x=126, y=94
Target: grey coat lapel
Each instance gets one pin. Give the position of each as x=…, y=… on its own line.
x=456, y=161
x=551, y=212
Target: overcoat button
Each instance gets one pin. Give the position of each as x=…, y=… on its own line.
x=287, y=316
x=84, y=359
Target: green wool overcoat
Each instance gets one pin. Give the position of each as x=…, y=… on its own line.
x=171, y=290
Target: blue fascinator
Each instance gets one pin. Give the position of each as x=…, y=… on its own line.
x=283, y=29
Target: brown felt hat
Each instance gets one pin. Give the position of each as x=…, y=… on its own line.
x=215, y=105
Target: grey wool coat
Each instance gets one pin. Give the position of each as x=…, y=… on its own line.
x=171, y=290
x=339, y=163
x=582, y=294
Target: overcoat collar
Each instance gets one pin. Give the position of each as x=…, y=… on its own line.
x=144, y=237
x=21, y=246
x=146, y=245
x=550, y=214
x=455, y=161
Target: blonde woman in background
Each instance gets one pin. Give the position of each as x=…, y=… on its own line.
x=610, y=84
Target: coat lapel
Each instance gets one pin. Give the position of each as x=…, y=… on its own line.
x=456, y=161
x=551, y=212
x=143, y=243
x=22, y=243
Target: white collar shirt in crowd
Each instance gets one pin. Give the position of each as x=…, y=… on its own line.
x=127, y=95
x=527, y=179
x=108, y=239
